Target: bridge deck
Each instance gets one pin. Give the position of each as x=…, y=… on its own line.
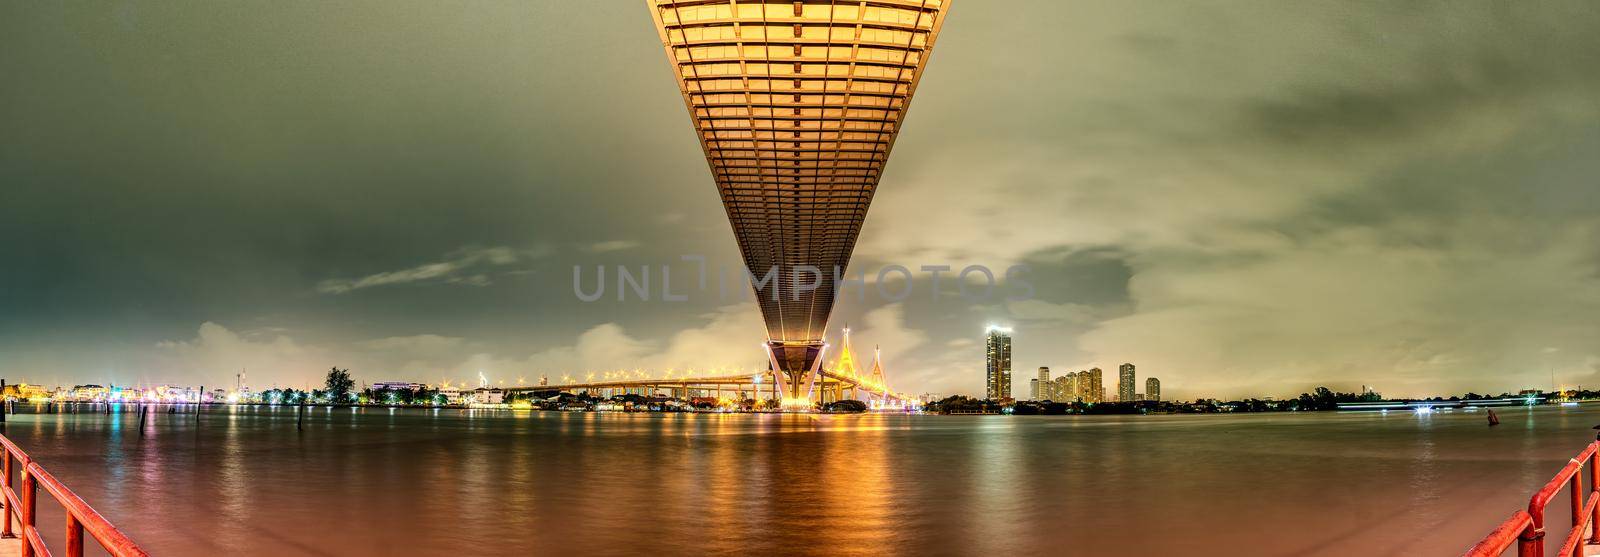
x=665, y=382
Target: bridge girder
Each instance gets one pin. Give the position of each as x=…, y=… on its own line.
x=797, y=105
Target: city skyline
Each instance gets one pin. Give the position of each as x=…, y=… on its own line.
x=998, y=377
x=808, y=277
x=413, y=203
x=1082, y=386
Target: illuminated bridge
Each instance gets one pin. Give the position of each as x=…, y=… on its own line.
x=797, y=105
x=842, y=380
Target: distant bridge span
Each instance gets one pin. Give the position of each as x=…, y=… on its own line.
x=760, y=386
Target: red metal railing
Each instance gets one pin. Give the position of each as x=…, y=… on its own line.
x=1526, y=528
x=80, y=516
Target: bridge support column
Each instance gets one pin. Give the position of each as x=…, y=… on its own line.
x=795, y=366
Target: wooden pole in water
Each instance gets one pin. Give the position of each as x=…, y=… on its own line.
x=141, y=418
x=5, y=401
x=301, y=422
x=199, y=403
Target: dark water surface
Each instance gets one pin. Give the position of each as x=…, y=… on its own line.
x=405, y=482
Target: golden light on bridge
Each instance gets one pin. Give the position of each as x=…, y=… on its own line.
x=842, y=380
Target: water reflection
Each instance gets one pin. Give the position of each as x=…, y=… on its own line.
x=245, y=481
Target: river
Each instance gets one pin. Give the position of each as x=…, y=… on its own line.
x=376, y=481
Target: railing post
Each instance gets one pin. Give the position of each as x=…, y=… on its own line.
x=5, y=487
x=74, y=536
x=1594, y=487
x=29, y=491
x=1531, y=542
x=1576, y=486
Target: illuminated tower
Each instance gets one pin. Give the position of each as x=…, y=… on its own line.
x=796, y=106
x=847, y=358
x=876, y=376
x=1125, y=383
x=846, y=367
x=997, y=372
x=1152, y=389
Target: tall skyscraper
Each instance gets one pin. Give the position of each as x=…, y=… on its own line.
x=1044, y=390
x=1125, y=379
x=1152, y=389
x=1096, y=387
x=997, y=376
x=1064, y=388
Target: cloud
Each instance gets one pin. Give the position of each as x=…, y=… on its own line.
x=1408, y=206
x=728, y=340
x=612, y=245
x=446, y=271
x=1248, y=202
x=1040, y=312
x=426, y=343
x=216, y=352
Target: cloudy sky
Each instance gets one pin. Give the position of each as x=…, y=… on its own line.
x=1243, y=198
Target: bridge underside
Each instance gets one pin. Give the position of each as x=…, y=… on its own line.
x=796, y=105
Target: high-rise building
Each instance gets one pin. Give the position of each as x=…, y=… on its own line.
x=997, y=376
x=1152, y=389
x=1035, y=390
x=1125, y=380
x=1064, y=388
x=1045, y=392
x=1096, y=387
